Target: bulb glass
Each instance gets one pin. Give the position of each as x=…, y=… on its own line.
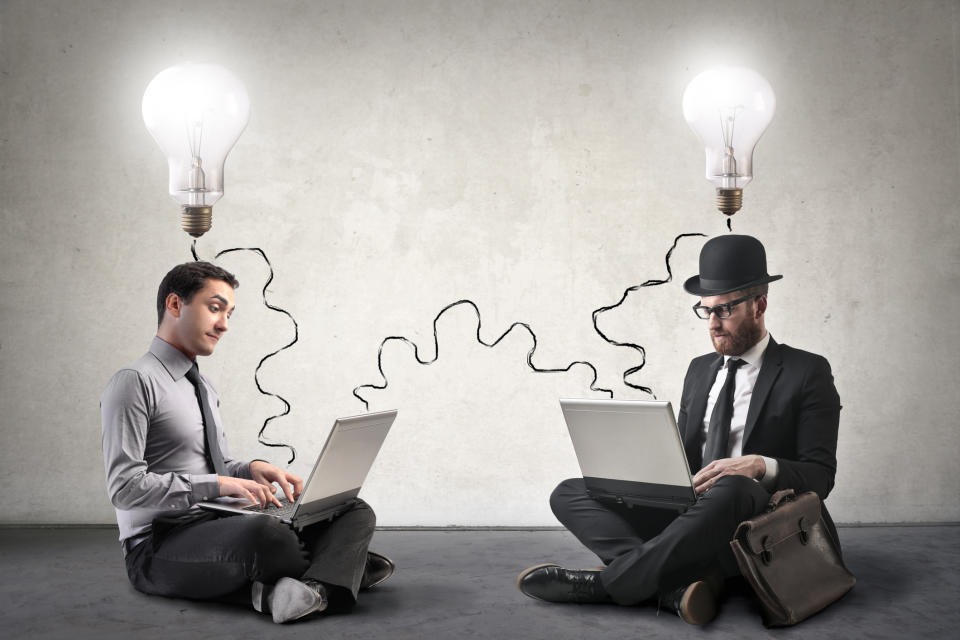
x=196, y=113
x=729, y=109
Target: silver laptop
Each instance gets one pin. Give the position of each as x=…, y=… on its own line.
x=630, y=452
x=337, y=476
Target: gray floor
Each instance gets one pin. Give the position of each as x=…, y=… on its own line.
x=69, y=583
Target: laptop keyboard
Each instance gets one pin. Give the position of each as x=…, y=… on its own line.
x=285, y=509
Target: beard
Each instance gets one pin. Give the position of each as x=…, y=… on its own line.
x=737, y=343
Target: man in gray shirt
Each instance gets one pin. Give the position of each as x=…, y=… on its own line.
x=160, y=463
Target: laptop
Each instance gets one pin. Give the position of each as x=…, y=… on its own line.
x=337, y=476
x=630, y=452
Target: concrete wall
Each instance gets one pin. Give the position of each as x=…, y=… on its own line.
x=529, y=156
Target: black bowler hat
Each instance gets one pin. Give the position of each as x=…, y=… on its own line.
x=729, y=263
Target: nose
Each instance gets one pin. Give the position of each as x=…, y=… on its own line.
x=221, y=325
x=714, y=322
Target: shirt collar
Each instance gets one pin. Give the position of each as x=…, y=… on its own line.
x=754, y=355
x=173, y=360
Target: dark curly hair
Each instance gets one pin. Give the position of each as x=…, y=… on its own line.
x=188, y=278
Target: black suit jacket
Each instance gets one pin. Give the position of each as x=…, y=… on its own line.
x=793, y=416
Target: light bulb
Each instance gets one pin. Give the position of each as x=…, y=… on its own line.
x=729, y=108
x=196, y=113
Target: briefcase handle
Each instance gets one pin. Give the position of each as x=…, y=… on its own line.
x=781, y=497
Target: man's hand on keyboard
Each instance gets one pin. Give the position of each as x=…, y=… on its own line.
x=266, y=474
x=253, y=491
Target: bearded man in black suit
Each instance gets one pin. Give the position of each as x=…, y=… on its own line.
x=772, y=426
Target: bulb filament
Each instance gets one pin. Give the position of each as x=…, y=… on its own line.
x=728, y=120
x=197, y=179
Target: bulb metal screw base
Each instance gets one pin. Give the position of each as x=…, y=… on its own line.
x=196, y=220
x=729, y=201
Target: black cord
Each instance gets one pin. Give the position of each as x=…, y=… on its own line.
x=637, y=347
x=256, y=373
x=596, y=313
x=436, y=345
x=436, y=342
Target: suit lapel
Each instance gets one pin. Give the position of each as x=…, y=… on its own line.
x=772, y=365
x=693, y=441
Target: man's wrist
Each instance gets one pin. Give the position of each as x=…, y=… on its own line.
x=249, y=469
x=769, y=477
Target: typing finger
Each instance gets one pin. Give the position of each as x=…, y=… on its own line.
x=269, y=497
x=249, y=496
x=287, y=490
x=261, y=492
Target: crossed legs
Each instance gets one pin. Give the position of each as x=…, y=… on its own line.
x=218, y=559
x=647, y=550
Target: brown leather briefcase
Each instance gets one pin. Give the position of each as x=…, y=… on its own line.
x=790, y=559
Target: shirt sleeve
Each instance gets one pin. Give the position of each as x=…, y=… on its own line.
x=235, y=468
x=125, y=414
x=769, y=479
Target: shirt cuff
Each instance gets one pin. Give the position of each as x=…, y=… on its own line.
x=204, y=487
x=769, y=479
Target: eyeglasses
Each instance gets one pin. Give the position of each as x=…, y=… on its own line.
x=722, y=310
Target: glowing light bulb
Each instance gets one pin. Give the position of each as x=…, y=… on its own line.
x=196, y=113
x=729, y=108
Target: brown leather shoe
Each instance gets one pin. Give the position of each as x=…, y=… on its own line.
x=695, y=603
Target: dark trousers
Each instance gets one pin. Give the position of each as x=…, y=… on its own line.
x=209, y=557
x=646, y=549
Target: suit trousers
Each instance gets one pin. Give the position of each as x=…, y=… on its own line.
x=214, y=557
x=647, y=549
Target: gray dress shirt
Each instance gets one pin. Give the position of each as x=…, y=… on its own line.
x=153, y=440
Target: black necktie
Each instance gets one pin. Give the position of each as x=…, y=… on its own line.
x=718, y=433
x=211, y=442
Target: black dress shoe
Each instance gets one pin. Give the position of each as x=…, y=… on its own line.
x=695, y=603
x=377, y=569
x=553, y=583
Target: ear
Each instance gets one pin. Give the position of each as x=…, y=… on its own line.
x=174, y=304
x=761, y=305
